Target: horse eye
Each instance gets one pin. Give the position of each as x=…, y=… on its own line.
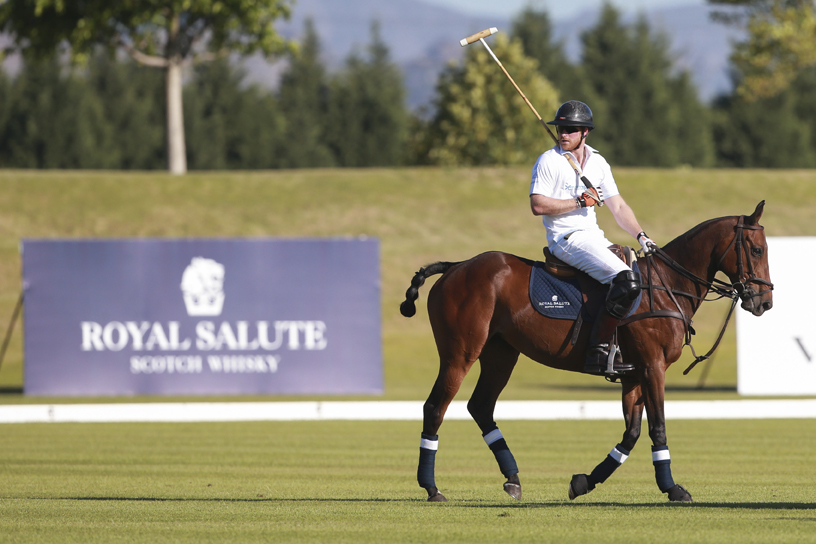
x=756, y=251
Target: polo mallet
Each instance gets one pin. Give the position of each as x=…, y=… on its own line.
x=480, y=36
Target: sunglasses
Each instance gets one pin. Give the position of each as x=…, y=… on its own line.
x=568, y=130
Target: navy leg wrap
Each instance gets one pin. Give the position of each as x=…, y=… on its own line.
x=604, y=470
x=427, y=460
x=497, y=444
x=662, y=464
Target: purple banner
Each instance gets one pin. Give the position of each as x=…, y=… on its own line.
x=202, y=317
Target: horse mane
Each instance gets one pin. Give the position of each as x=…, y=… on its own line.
x=694, y=231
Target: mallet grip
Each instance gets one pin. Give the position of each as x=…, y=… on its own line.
x=478, y=36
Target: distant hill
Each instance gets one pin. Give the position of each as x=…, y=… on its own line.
x=699, y=45
x=423, y=38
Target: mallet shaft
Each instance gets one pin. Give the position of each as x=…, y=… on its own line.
x=527, y=101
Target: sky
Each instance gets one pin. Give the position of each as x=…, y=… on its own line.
x=556, y=9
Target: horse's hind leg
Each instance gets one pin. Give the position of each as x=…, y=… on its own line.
x=497, y=361
x=451, y=373
x=581, y=484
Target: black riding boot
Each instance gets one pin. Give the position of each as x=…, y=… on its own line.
x=623, y=292
x=598, y=353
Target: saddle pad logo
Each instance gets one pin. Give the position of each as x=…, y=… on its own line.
x=554, y=303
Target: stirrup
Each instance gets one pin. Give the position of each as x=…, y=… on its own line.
x=606, y=361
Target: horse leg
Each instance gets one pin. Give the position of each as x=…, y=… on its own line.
x=497, y=360
x=451, y=374
x=661, y=459
x=581, y=484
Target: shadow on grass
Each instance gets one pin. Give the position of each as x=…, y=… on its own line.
x=475, y=504
x=727, y=505
x=722, y=389
x=216, y=499
x=11, y=390
x=605, y=387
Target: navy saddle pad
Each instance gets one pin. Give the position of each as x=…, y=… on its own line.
x=560, y=298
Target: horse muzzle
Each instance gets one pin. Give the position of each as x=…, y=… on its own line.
x=752, y=302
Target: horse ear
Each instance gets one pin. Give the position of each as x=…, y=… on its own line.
x=753, y=219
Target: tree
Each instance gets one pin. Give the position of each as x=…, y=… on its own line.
x=781, y=42
x=479, y=117
x=367, y=118
x=231, y=126
x=166, y=34
x=303, y=98
x=647, y=113
x=53, y=121
x=773, y=132
x=108, y=116
x=131, y=97
x=534, y=30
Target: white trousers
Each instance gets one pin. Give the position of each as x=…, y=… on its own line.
x=588, y=250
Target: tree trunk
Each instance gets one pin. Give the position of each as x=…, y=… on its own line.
x=176, y=148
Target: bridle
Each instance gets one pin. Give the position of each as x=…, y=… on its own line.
x=741, y=287
x=739, y=290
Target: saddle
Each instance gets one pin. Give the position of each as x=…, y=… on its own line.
x=560, y=291
x=560, y=269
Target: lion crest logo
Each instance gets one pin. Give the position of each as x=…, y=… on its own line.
x=203, y=286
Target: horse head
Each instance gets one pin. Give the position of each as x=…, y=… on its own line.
x=745, y=262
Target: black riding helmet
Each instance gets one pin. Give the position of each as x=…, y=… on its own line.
x=573, y=114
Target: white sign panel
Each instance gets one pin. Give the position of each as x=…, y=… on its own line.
x=776, y=353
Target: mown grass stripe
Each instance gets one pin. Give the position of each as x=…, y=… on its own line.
x=389, y=411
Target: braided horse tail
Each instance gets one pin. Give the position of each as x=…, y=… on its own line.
x=408, y=308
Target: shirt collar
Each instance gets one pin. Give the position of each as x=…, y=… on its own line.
x=589, y=152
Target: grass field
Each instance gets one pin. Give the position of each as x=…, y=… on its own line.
x=752, y=482
x=419, y=215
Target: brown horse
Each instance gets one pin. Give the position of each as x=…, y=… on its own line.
x=480, y=309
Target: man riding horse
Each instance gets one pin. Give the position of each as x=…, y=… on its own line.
x=573, y=235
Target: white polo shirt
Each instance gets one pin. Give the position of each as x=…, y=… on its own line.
x=554, y=177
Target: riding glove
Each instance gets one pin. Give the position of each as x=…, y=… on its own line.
x=646, y=243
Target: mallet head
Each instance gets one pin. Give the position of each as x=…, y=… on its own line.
x=478, y=36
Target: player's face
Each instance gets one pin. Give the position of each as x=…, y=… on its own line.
x=569, y=138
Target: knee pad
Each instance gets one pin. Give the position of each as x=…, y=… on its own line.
x=623, y=292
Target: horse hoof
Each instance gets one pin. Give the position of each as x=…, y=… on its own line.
x=437, y=497
x=678, y=493
x=514, y=490
x=579, y=485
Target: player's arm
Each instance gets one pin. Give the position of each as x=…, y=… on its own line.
x=546, y=205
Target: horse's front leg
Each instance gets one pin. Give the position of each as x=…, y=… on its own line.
x=581, y=484
x=654, y=384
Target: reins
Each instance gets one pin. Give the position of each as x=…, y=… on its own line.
x=733, y=291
